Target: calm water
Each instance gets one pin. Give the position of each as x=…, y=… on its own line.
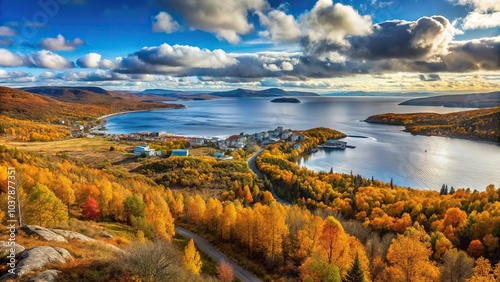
x=413, y=161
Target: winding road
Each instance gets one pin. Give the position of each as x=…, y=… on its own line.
x=210, y=250
x=253, y=166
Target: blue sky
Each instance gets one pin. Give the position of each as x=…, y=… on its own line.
x=324, y=45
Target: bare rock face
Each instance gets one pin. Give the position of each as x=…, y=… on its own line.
x=44, y=233
x=45, y=276
x=37, y=258
x=5, y=249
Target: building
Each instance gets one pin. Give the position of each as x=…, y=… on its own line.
x=294, y=137
x=197, y=142
x=139, y=150
x=219, y=154
x=296, y=146
x=159, y=134
x=286, y=134
x=180, y=153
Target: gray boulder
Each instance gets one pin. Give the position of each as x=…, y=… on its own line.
x=45, y=276
x=72, y=235
x=37, y=258
x=5, y=249
x=44, y=233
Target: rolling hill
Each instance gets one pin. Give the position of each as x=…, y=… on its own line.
x=476, y=100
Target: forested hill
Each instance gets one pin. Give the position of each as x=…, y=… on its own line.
x=481, y=125
x=57, y=103
x=478, y=100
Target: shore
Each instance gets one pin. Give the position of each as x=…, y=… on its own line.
x=136, y=111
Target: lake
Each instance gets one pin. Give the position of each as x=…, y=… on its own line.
x=413, y=161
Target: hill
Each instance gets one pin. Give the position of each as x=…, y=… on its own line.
x=271, y=92
x=476, y=100
x=481, y=125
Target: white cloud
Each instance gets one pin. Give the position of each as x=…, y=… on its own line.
x=484, y=14
x=333, y=23
x=184, y=56
x=227, y=19
x=7, y=31
x=163, y=22
x=9, y=59
x=94, y=60
x=279, y=25
x=60, y=44
x=49, y=60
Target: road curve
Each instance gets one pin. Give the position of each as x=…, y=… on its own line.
x=253, y=166
x=210, y=250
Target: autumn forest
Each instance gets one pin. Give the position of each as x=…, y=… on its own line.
x=292, y=224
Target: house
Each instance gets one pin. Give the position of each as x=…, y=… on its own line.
x=219, y=154
x=180, y=153
x=197, y=142
x=294, y=137
x=139, y=150
x=296, y=146
x=159, y=134
x=239, y=145
x=286, y=134
x=302, y=137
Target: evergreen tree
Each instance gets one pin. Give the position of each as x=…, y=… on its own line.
x=356, y=273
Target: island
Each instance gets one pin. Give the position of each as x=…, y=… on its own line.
x=479, y=125
x=475, y=100
x=285, y=100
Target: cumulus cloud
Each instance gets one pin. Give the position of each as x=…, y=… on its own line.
x=163, y=22
x=227, y=19
x=60, y=43
x=49, y=60
x=332, y=23
x=478, y=54
x=426, y=37
x=170, y=59
x=484, y=14
x=279, y=25
x=9, y=59
x=7, y=31
x=94, y=60
x=16, y=74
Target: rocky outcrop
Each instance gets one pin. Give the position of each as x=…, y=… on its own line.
x=43, y=233
x=37, y=258
x=5, y=249
x=45, y=276
x=60, y=235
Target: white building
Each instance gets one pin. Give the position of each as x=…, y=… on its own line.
x=139, y=150
x=197, y=142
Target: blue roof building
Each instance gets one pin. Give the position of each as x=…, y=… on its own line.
x=180, y=153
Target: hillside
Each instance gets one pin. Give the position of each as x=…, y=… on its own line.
x=55, y=103
x=26, y=116
x=271, y=92
x=481, y=125
x=477, y=100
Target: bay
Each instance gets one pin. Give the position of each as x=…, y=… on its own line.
x=387, y=152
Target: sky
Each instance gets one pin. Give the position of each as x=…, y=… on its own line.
x=322, y=46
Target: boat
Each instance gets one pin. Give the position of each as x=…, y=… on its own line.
x=334, y=144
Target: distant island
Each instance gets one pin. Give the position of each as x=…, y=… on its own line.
x=285, y=100
x=236, y=93
x=477, y=100
x=479, y=125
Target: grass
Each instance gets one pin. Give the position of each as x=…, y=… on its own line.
x=119, y=230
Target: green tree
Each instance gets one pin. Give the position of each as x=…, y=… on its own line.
x=134, y=206
x=356, y=273
x=44, y=208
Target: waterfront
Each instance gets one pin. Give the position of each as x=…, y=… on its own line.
x=415, y=161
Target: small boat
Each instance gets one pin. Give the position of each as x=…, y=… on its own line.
x=334, y=144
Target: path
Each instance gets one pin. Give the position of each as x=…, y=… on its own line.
x=253, y=166
x=210, y=250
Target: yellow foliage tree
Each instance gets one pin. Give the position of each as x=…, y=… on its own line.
x=409, y=261
x=191, y=258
